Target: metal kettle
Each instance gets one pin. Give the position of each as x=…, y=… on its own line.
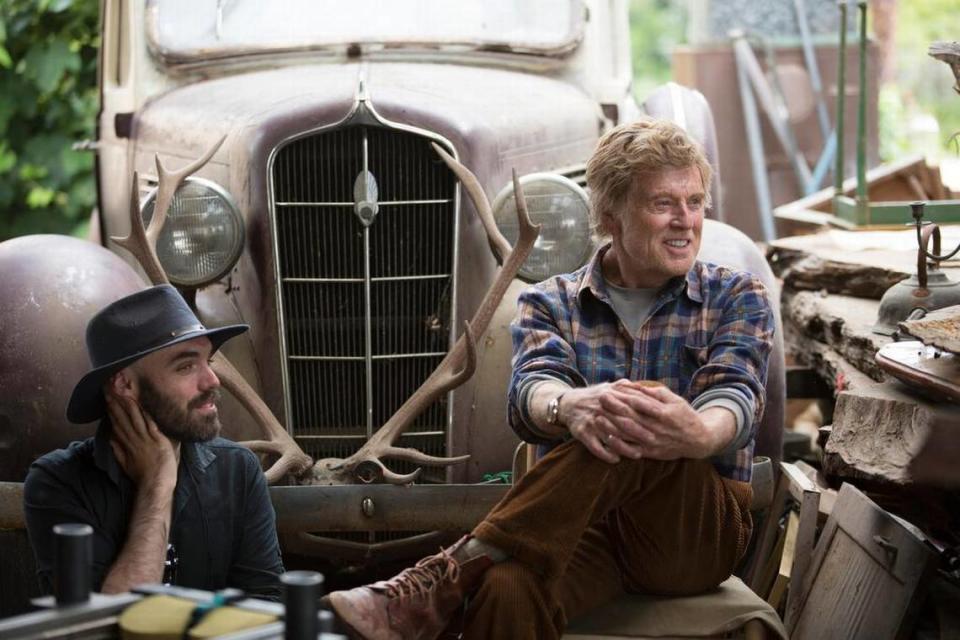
x=926, y=290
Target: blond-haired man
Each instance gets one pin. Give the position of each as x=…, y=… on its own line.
x=644, y=372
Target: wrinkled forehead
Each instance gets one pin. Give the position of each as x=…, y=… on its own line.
x=678, y=181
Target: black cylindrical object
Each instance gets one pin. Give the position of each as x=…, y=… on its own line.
x=326, y=621
x=302, y=591
x=74, y=557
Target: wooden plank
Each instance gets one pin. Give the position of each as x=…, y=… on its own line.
x=864, y=575
x=802, y=270
x=876, y=431
x=828, y=495
x=862, y=264
x=940, y=328
x=830, y=365
x=842, y=323
x=767, y=572
x=876, y=177
x=782, y=581
x=809, y=501
x=760, y=573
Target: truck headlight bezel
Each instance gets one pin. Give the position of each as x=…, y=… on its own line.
x=553, y=253
x=180, y=240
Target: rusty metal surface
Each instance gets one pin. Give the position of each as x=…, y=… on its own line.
x=257, y=111
x=11, y=505
x=394, y=508
x=940, y=329
x=50, y=287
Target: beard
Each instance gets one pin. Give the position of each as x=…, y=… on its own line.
x=176, y=422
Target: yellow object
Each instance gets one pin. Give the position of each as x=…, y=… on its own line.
x=165, y=618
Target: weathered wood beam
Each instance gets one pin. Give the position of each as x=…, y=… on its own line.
x=843, y=324
x=877, y=431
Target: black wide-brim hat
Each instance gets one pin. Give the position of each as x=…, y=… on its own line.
x=127, y=330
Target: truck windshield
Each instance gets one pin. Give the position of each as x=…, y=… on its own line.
x=194, y=30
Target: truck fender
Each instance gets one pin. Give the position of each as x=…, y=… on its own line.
x=51, y=286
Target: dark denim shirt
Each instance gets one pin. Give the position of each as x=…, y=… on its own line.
x=223, y=526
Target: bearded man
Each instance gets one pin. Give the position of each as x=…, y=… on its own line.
x=168, y=500
x=644, y=372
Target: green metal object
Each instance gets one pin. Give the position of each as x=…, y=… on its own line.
x=862, y=113
x=893, y=213
x=859, y=211
x=841, y=96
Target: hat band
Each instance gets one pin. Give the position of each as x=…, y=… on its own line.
x=191, y=329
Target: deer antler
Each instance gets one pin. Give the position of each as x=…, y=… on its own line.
x=459, y=363
x=141, y=243
x=500, y=244
x=291, y=458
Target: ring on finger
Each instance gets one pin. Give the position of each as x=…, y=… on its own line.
x=609, y=439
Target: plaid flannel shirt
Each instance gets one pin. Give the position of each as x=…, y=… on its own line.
x=713, y=327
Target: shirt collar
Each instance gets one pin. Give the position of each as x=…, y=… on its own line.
x=594, y=281
x=198, y=455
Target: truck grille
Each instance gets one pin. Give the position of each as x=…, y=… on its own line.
x=365, y=309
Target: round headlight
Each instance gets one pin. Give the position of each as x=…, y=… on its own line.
x=561, y=207
x=202, y=237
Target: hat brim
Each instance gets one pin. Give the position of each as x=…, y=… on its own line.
x=87, y=403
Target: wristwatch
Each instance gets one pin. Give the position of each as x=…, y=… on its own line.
x=553, y=410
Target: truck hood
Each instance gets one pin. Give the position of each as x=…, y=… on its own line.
x=497, y=120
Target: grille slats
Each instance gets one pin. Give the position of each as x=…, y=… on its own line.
x=321, y=259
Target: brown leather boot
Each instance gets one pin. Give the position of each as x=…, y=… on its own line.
x=416, y=604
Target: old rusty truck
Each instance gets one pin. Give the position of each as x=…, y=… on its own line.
x=337, y=176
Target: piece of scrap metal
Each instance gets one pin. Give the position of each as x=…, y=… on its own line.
x=940, y=329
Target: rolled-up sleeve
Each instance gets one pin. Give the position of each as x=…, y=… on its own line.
x=739, y=351
x=542, y=350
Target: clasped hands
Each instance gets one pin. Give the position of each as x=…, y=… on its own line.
x=636, y=419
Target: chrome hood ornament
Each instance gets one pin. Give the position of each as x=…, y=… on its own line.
x=365, y=194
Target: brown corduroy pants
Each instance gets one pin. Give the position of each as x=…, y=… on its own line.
x=580, y=531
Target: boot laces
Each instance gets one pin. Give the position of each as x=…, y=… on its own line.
x=425, y=576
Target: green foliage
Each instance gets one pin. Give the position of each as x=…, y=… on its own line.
x=927, y=83
x=656, y=28
x=48, y=101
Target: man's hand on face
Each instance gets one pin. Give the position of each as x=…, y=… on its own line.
x=143, y=452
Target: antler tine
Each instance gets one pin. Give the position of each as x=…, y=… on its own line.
x=412, y=455
x=292, y=459
x=141, y=243
x=469, y=181
x=443, y=378
x=371, y=470
x=137, y=243
x=169, y=182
